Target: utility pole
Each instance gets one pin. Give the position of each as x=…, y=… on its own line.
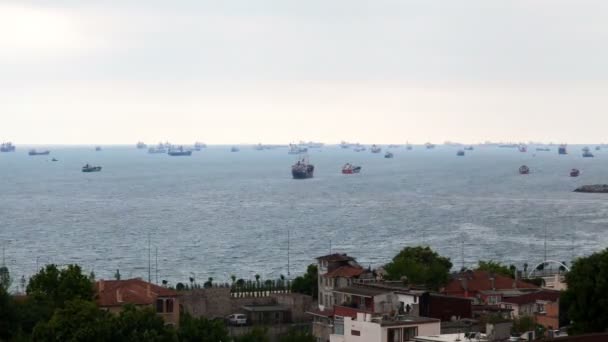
x=462, y=252
x=545, y=244
x=329, y=246
x=149, y=261
x=156, y=265
x=288, y=268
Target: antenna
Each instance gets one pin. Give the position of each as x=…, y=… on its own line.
x=462, y=252
x=156, y=265
x=329, y=246
x=288, y=254
x=545, y=244
x=149, y=261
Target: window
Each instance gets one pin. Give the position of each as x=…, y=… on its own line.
x=355, y=332
x=160, y=305
x=169, y=303
x=415, y=299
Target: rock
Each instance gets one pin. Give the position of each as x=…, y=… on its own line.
x=596, y=188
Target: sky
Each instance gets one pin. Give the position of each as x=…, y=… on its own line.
x=276, y=71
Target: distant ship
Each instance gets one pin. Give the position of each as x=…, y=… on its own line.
x=312, y=144
x=97, y=148
x=429, y=146
x=469, y=148
x=259, y=147
x=460, y=153
x=234, y=149
x=597, y=148
x=562, y=149
x=574, y=173
x=302, y=169
x=140, y=145
x=509, y=145
x=296, y=149
x=376, y=149
x=91, y=168
x=393, y=146
x=344, y=144
x=179, y=151
x=198, y=146
x=524, y=170
x=543, y=149
x=349, y=168
x=160, y=148
x=54, y=160
x=389, y=155
x=39, y=153
x=522, y=148
x=587, y=153
x=7, y=147
x=408, y=147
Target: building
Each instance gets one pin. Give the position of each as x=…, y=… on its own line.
x=543, y=305
x=484, y=286
x=336, y=271
x=112, y=295
x=366, y=327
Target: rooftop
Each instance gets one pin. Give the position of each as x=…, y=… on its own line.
x=265, y=308
x=335, y=257
x=129, y=291
x=363, y=291
x=543, y=295
x=475, y=281
x=345, y=271
x=445, y=338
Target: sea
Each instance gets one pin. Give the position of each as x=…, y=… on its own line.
x=220, y=213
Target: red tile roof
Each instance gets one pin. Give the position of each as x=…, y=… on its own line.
x=545, y=295
x=480, y=281
x=130, y=291
x=335, y=257
x=345, y=271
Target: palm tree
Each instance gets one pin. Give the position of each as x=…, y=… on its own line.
x=233, y=277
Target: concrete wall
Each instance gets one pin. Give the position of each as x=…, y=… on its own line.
x=428, y=329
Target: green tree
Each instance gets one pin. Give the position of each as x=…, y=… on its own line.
x=79, y=320
x=5, y=278
x=201, y=329
x=420, y=265
x=59, y=286
x=257, y=334
x=140, y=325
x=496, y=267
x=586, y=294
x=8, y=317
x=294, y=335
x=523, y=324
x=307, y=283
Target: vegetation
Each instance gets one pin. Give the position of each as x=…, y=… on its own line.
x=294, y=335
x=307, y=283
x=496, y=268
x=419, y=265
x=256, y=334
x=585, y=297
x=201, y=329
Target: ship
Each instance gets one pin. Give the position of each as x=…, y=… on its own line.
x=234, y=149
x=408, y=147
x=302, y=169
x=389, y=155
x=7, y=147
x=376, y=149
x=349, y=169
x=39, y=153
x=312, y=144
x=429, y=146
x=54, y=160
x=587, y=153
x=198, y=146
x=179, y=152
x=344, y=144
x=393, y=146
x=91, y=168
x=469, y=148
x=508, y=145
x=543, y=149
x=562, y=149
x=97, y=148
x=522, y=148
x=574, y=173
x=140, y=145
x=460, y=153
x=259, y=147
x=296, y=149
x=524, y=170
x=160, y=148
x=597, y=148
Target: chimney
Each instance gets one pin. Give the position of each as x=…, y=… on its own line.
x=493, y=283
x=464, y=282
x=118, y=296
x=100, y=285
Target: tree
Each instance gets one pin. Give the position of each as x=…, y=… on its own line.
x=294, y=335
x=585, y=297
x=59, y=286
x=308, y=282
x=5, y=278
x=256, y=334
x=201, y=329
x=79, y=320
x=8, y=318
x=496, y=268
x=420, y=265
x=140, y=325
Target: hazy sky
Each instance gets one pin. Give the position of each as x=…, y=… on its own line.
x=236, y=71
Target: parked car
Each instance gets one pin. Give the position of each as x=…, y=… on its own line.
x=237, y=319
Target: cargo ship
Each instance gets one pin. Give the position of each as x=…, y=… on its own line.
x=7, y=147
x=302, y=169
x=39, y=153
x=179, y=152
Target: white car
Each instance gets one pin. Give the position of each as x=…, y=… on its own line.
x=237, y=319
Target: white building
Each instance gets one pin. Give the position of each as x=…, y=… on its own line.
x=377, y=328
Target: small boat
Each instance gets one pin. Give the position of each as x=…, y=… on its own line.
x=311, y=144
x=54, y=160
x=7, y=147
x=259, y=147
x=296, y=149
x=393, y=146
x=587, y=153
x=97, y=148
x=344, y=144
x=179, y=152
x=460, y=153
x=562, y=149
x=522, y=148
x=524, y=170
x=234, y=149
x=376, y=149
x=469, y=148
x=543, y=149
x=199, y=145
x=140, y=145
x=359, y=148
x=597, y=148
x=302, y=169
x=91, y=168
x=349, y=169
x=408, y=147
x=429, y=146
x=39, y=153
x=389, y=155
x=508, y=145
x=574, y=173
